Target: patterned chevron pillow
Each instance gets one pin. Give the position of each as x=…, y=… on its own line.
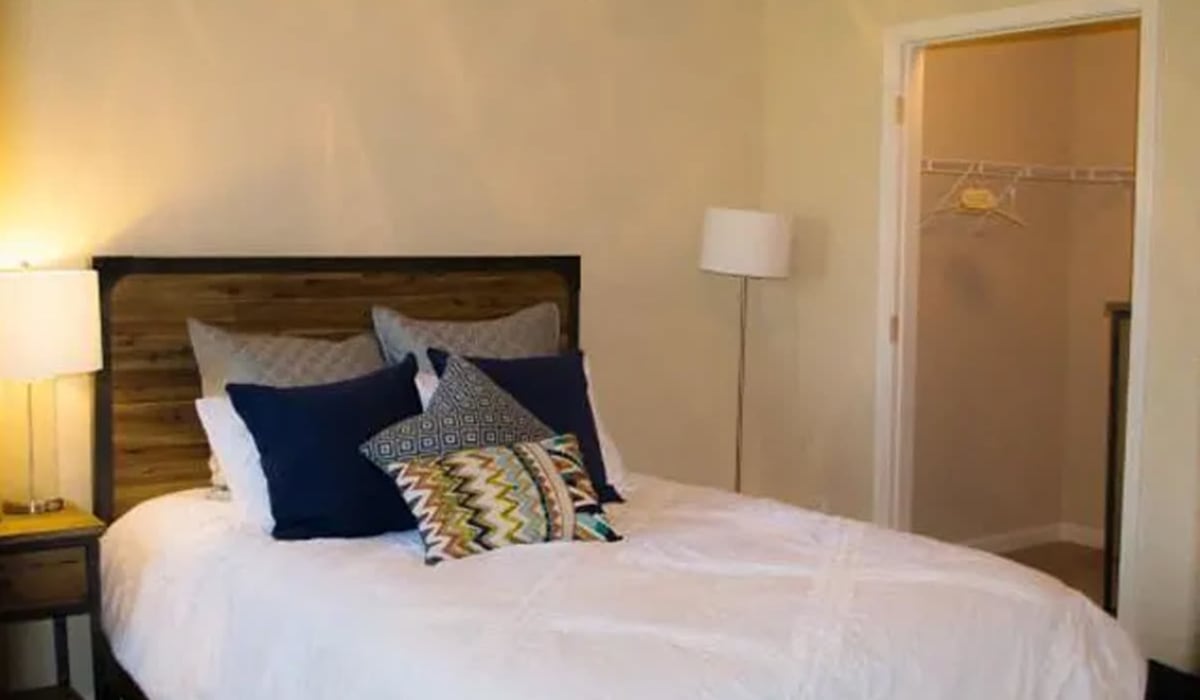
x=467, y=410
x=477, y=500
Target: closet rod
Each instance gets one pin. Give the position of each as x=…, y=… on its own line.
x=1029, y=171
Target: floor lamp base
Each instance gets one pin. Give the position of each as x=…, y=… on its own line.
x=35, y=506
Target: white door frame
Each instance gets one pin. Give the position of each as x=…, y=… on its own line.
x=895, y=359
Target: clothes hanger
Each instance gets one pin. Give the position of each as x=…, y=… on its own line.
x=970, y=196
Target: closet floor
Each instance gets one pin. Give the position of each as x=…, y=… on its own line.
x=1081, y=568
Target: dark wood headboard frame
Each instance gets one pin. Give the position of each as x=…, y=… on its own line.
x=112, y=270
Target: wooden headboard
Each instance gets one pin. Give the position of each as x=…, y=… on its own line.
x=148, y=438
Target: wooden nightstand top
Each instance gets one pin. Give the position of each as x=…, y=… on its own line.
x=69, y=523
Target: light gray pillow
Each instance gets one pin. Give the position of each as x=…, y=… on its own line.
x=530, y=332
x=277, y=360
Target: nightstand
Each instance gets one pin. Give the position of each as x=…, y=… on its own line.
x=50, y=569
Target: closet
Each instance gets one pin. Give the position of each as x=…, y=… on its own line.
x=1028, y=146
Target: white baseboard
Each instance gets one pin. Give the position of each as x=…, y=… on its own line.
x=1002, y=542
x=1014, y=539
x=1082, y=535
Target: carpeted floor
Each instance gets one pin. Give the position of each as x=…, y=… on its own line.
x=1081, y=568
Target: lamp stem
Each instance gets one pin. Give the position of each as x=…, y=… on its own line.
x=29, y=438
x=31, y=505
x=741, y=392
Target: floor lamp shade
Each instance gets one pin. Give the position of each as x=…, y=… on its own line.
x=746, y=243
x=49, y=324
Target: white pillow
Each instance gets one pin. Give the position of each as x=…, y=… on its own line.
x=614, y=466
x=233, y=446
x=427, y=383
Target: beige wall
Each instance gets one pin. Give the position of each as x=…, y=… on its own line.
x=424, y=127
x=1012, y=379
x=823, y=96
x=1101, y=222
x=992, y=322
x=992, y=368
x=240, y=127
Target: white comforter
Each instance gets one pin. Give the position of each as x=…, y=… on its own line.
x=711, y=595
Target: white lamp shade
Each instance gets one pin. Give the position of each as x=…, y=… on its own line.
x=746, y=243
x=49, y=323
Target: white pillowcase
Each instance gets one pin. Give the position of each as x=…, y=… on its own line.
x=614, y=466
x=233, y=446
x=427, y=383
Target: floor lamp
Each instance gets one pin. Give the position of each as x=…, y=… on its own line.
x=49, y=327
x=744, y=243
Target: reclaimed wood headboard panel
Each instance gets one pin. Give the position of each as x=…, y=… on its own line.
x=148, y=439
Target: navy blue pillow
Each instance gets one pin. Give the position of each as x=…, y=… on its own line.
x=308, y=438
x=553, y=388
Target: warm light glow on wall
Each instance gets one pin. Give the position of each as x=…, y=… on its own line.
x=22, y=248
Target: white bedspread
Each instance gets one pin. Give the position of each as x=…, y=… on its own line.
x=712, y=595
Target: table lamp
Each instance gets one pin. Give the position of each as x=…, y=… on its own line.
x=745, y=243
x=49, y=327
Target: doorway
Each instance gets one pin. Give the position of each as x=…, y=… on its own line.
x=1018, y=219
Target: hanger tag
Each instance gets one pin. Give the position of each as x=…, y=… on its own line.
x=978, y=199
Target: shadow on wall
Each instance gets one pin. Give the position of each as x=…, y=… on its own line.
x=810, y=250
x=822, y=423
x=251, y=211
x=778, y=457
x=963, y=274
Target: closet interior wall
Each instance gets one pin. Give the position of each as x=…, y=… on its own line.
x=1012, y=373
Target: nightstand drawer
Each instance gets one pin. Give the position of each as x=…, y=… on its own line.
x=49, y=577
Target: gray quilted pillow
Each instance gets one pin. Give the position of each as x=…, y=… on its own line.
x=530, y=332
x=467, y=410
x=277, y=360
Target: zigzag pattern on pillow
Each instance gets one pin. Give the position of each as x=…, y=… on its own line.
x=477, y=500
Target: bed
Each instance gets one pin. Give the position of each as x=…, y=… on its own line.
x=710, y=595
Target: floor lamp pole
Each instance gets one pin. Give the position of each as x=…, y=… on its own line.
x=741, y=392
x=747, y=244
